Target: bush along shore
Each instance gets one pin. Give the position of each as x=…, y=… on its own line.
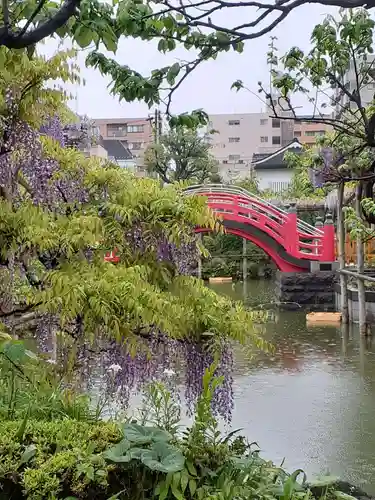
x=67, y=452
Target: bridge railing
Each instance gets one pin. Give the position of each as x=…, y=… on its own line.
x=299, y=239
x=221, y=188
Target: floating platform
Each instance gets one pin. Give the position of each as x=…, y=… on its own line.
x=220, y=280
x=323, y=318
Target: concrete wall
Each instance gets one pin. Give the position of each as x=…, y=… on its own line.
x=353, y=304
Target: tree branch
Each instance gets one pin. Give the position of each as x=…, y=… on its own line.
x=20, y=39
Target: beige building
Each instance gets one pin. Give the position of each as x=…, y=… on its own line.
x=235, y=138
x=307, y=132
x=135, y=134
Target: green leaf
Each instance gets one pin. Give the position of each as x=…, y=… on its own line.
x=139, y=434
x=83, y=36
x=14, y=350
x=173, y=73
x=28, y=454
x=192, y=486
x=190, y=467
x=163, y=457
x=119, y=452
x=184, y=480
x=109, y=39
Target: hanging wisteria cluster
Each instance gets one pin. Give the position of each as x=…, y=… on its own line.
x=157, y=359
x=54, y=129
x=23, y=162
x=81, y=134
x=182, y=257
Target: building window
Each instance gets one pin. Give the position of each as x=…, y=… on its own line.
x=234, y=139
x=264, y=138
x=135, y=145
x=313, y=133
x=241, y=162
x=234, y=157
x=225, y=161
x=135, y=128
x=276, y=140
x=233, y=122
x=263, y=121
x=275, y=123
x=116, y=130
x=297, y=133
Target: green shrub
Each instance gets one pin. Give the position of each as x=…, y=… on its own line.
x=55, y=457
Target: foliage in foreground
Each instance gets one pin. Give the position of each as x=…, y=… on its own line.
x=61, y=213
x=152, y=459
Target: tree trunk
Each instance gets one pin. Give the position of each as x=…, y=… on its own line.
x=341, y=244
x=360, y=267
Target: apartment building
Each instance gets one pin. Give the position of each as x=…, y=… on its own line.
x=134, y=134
x=367, y=90
x=307, y=132
x=235, y=138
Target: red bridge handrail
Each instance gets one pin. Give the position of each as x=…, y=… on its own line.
x=299, y=239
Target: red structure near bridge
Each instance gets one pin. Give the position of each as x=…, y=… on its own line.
x=290, y=242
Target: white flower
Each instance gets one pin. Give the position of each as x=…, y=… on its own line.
x=169, y=373
x=51, y=361
x=115, y=368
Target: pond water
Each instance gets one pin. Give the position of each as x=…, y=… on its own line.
x=313, y=401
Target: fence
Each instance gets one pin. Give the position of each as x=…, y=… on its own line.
x=351, y=251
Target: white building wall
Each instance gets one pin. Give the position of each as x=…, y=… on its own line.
x=234, y=139
x=274, y=179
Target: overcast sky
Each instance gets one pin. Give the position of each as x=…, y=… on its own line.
x=209, y=86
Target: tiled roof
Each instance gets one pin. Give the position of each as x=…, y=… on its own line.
x=117, y=150
x=276, y=159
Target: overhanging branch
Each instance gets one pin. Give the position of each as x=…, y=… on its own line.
x=20, y=39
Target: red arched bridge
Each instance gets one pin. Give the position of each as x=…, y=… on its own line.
x=290, y=242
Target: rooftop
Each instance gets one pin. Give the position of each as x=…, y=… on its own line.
x=117, y=149
x=276, y=159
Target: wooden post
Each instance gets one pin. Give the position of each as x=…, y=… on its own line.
x=244, y=260
x=341, y=236
x=360, y=267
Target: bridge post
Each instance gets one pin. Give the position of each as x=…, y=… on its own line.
x=328, y=250
x=291, y=230
x=318, y=225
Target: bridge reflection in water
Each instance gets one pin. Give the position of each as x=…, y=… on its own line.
x=313, y=400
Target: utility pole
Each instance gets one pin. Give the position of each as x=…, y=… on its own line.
x=158, y=126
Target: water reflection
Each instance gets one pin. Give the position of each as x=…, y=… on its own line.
x=313, y=400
